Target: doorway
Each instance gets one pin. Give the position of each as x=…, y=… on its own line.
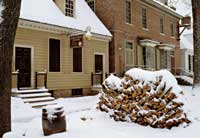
x=23, y=64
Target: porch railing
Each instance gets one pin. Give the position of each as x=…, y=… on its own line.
x=44, y=74
x=15, y=82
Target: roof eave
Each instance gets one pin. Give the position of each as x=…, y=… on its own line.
x=25, y=23
x=163, y=8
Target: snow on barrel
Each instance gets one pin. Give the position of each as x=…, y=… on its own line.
x=53, y=119
x=149, y=98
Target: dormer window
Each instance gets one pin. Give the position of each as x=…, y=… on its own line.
x=91, y=4
x=69, y=8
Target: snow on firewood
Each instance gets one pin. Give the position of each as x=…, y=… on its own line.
x=154, y=76
x=144, y=97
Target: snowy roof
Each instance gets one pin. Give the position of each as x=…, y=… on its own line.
x=46, y=11
x=164, y=7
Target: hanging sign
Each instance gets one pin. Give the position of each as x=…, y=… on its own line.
x=76, y=41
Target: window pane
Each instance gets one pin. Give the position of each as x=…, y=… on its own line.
x=98, y=63
x=144, y=17
x=189, y=63
x=69, y=8
x=77, y=59
x=54, y=55
x=172, y=28
x=129, y=53
x=149, y=57
x=91, y=3
x=161, y=25
x=128, y=11
x=129, y=45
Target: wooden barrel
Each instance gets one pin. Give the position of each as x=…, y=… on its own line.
x=53, y=119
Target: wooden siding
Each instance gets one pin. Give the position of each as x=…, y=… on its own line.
x=66, y=78
x=61, y=5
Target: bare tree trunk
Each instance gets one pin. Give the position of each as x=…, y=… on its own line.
x=196, y=35
x=9, y=17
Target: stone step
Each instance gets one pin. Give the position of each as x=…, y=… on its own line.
x=44, y=94
x=34, y=100
x=41, y=104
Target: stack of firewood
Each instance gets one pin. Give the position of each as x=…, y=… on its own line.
x=146, y=103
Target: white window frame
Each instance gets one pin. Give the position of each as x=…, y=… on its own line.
x=128, y=50
x=74, y=8
x=162, y=26
x=149, y=57
x=126, y=20
x=172, y=28
x=143, y=7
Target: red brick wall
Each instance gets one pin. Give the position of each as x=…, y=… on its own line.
x=112, y=14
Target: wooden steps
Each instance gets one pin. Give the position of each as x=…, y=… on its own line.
x=35, y=97
x=40, y=99
x=45, y=94
x=41, y=104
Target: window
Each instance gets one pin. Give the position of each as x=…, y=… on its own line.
x=190, y=63
x=98, y=63
x=54, y=55
x=91, y=3
x=129, y=55
x=161, y=25
x=144, y=57
x=128, y=11
x=77, y=92
x=165, y=59
x=144, y=17
x=69, y=8
x=148, y=57
x=77, y=59
x=172, y=28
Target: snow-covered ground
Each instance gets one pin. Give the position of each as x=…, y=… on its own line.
x=27, y=121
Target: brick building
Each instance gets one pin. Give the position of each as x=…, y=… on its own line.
x=145, y=33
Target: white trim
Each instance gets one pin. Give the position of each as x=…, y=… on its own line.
x=56, y=29
x=104, y=68
x=167, y=47
x=149, y=43
x=32, y=60
x=57, y=38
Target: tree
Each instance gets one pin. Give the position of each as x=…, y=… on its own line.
x=9, y=15
x=196, y=36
